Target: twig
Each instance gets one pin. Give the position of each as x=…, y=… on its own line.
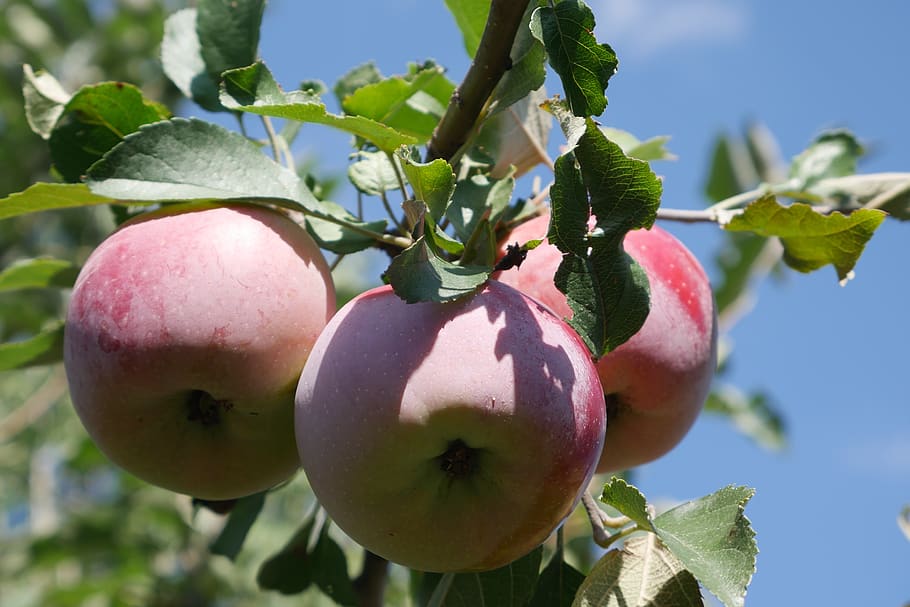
x=491, y=61
x=39, y=403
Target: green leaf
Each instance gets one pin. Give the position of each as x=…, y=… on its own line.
x=240, y=520
x=751, y=414
x=342, y=239
x=420, y=273
x=736, y=260
x=517, y=136
x=508, y=586
x=412, y=104
x=362, y=75
x=253, y=89
x=38, y=273
x=185, y=159
x=713, y=539
x=181, y=59
x=96, y=119
x=433, y=182
x=642, y=574
x=373, y=173
x=811, y=240
x=903, y=521
x=889, y=192
x=605, y=288
x=832, y=154
x=49, y=196
x=558, y=584
x=330, y=570
x=731, y=170
x=528, y=71
x=45, y=99
x=42, y=349
x=648, y=150
x=584, y=66
x=289, y=571
x=476, y=198
x=471, y=18
x=228, y=32
x=628, y=500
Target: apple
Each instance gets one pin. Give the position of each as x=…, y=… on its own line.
x=657, y=382
x=185, y=337
x=449, y=437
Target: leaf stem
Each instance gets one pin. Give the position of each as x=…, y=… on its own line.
x=273, y=137
x=392, y=216
x=442, y=590
x=370, y=584
x=491, y=61
x=600, y=520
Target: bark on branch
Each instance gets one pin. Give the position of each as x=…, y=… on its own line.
x=491, y=61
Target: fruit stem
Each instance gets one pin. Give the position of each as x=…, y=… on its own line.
x=442, y=590
x=600, y=520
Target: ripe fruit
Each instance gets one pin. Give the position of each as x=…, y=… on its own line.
x=657, y=382
x=185, y=337
x=449, y=437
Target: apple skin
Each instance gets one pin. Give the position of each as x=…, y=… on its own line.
x=449, y=437
x=185, y=337
x=657, y=382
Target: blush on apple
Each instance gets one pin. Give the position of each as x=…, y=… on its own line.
x=185, y=337
x=449, y=437
x=657, y=382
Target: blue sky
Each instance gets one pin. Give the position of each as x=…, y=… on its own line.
x=831, y=357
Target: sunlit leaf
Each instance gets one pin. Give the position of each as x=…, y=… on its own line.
x=44, y=98
x=433, y=182
x=644, y=573
x=628, y=500
x=38, y=273
x=811, y=239
x=42, y=349
x=471, y=17
x=751, y=414
x=49, y=196
x=832, y=154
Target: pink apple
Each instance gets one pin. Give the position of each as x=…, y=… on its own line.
x=449, y=437
x=657, y=382
x=185, y=338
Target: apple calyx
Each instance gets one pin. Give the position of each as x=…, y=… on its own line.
x=459, y=460
x=206, y=409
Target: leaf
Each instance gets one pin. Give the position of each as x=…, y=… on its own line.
x=628, y=500
x=289, y=571
x=605, y=288
x=45, y=99
x=433, y=182
x=649, y=150
x=508, y=586
x=43, y=272
x=420, y=273
x=228, y=32
x=832, y=154
x=253, y=89
x=517, y=136
x=357, y=77
x=713, y=539
x=373, y=173
x=330, y=570
x=642, y=574
x=528, y=71
x=239, y=521
x=736, y=260
x=181, y=59
x=476, y=198
x=338, y=238
x=471, y=18
x=890, y=192
x=903, y=521
x=557, y=585
x=412, y=104
x=584, y=66
x=185, y=159
x=49, y=196
x=751, y=414
x=811, y=240
x=96, y=119
x=42, y=349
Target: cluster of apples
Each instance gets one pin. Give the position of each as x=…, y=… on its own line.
x=204, y=355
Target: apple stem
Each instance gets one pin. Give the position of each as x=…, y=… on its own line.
x=600, y=521
x=370, y=584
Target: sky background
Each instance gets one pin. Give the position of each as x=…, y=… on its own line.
x=831, y=357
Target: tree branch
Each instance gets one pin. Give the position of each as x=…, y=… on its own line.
x=490, y=63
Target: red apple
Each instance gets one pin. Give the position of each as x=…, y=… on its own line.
x=449, y=437
x=185, y=337
x=657, y=382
